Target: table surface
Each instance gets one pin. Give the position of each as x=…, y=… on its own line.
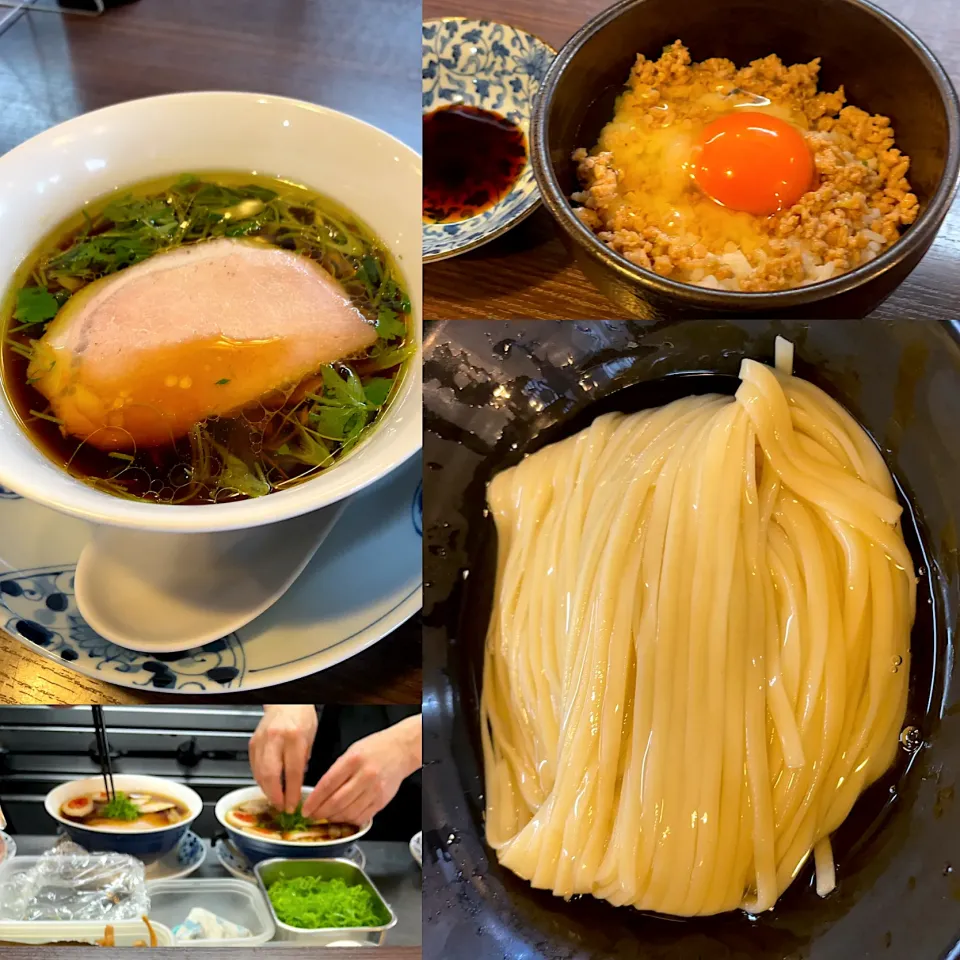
x=361, y=57
x=528, y=273
x=389, y=865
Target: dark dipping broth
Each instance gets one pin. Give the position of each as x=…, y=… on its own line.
x=471, y=160
x=287, y=436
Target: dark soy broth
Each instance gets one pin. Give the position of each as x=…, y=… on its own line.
x=472, y=159
x=288, y=435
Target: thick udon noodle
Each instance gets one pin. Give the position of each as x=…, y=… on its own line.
x=699, y=649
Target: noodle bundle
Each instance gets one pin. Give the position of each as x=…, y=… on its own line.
x=699, y=649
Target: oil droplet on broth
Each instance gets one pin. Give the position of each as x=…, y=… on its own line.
x=910, y=739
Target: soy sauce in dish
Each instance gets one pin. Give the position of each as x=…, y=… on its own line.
x=472, y=159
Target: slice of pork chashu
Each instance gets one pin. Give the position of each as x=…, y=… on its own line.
x=138, y=358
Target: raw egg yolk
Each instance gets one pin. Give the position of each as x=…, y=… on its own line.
x=754, y=162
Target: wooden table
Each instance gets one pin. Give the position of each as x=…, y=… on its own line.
x=361, y=57
x=388, y=672
x=528, y=272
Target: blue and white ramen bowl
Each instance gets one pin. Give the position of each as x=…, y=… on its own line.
x=256, y=848
x=148, y=843
x=496, y=67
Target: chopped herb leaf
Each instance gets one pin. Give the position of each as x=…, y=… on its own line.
x=220, y=383
x=236, y=475
x=338, y=423
x=293, y=821
x=369, y=273
x=377, y=390
x=337, y=390
x=390, y=357
x=35, y=305
x=393, y=296
x=313, y=903
x=307, y=449
x=117, y=455
x=389, y=325
x=121, y=807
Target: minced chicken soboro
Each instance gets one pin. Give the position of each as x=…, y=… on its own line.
x=642, y=198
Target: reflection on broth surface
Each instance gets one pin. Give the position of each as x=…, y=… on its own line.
x=473, y=158
x=204, y=338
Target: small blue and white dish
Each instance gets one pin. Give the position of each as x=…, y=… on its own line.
x=497, y=67
x=187, y=857
x=256, y=848
x=146, y=844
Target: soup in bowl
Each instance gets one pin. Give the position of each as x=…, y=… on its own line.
x=260, y=832
x=217, y=330
x=146, y=817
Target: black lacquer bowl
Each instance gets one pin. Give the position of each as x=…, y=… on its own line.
x=883, y=67
x=493, y=392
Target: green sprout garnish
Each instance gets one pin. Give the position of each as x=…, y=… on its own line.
x=293, y=821
x=121, y=807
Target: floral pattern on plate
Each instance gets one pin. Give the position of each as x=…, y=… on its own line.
x=39, y=607
x=329, y=614
x=184, y=859
x=496, y=67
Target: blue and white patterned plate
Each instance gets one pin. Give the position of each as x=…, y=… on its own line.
x=187, y=856
x=496, y=67
x=364, y=582
x=236, y=864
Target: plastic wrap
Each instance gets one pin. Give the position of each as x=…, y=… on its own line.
x=67, y=883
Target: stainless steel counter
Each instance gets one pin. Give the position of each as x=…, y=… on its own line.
x=389, y=865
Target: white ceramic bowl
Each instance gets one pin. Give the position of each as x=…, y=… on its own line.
x=48, y=178
x=256, y=848
x=145, y=844
x=8, y=849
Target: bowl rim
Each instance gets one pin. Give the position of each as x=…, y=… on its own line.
x=221, y=808
x=283, y=504
x=915, y=237
x=521, y=214
x=196, y=805
x=64, y=126
x=8, y=848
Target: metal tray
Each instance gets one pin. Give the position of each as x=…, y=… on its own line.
x=268, y=871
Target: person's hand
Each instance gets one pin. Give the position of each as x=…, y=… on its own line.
x=366, y=778
x=279, y=750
